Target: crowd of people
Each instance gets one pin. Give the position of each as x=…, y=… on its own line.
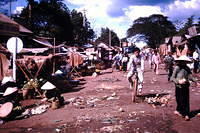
x=132, y=64
x=180, y=71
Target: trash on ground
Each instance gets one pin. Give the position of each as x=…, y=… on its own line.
x=158, y=100
x=111, y=129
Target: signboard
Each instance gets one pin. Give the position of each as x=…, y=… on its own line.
x=14, y=44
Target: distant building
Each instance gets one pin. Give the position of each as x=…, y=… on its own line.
x=194, y=30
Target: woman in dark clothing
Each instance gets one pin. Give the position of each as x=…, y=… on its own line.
x=181, y=77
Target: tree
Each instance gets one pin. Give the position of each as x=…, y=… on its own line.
x=81, y=28
x=152, y=29
x=104, y=37
x=49, y=18
x=189, y=23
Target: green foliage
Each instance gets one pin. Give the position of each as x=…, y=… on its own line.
x=81, y=28
x=153, y=29
x=52, y=18
x=189, y=23
x=48, y=18
x=104, y=37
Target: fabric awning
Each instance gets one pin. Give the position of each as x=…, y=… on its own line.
x=43, y=42
x=34, y=50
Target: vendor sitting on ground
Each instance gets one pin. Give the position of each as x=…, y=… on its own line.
x=10, y=103
x=7, y=81
x=52, y=93
x=65, y=70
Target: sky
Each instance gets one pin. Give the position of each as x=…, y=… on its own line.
x=118, y=15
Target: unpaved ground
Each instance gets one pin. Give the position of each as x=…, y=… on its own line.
x=103, y=104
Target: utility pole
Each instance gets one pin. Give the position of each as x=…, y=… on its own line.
x=84, y=24
x=10, y=7
x=29, y=9
x=109, y=36
x=30, y=14
x=84, y=17
x=54, y=52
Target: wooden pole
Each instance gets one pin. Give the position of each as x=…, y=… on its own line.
x=10, y=8
x=14, y=60
x=54, y=51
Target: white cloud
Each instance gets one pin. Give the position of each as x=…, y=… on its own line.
x=97, y=13
x=134, y=12
x=18, y=10
x=183, y=9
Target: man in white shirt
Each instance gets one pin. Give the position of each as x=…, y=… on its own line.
x=136, y=70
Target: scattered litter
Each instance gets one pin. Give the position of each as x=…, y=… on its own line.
x=121, y=121
x=58, y=130
x=108, y=80
x=107, y=86
x=112, y=97
x=92, y=100
x=94, y=75
x=110, y=120
x=147, y=132
x=121, y=110
x=29, y=129
x=142, y=112
x=84, y=118
x=40, y=109
x=132, y=114
x=58, y=120
x=81, y=102
x=158, y=100
x=132, y=120
x=111, y=129
x=154, y=79
x=77, y=101
x=152, y=90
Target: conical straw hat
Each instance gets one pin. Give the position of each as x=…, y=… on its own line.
x=6, y=109
x=184, y=58
x=7, y=79
x=58, y=72
x=10, y=90
x=48, y=86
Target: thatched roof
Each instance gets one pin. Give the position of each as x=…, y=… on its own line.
x=11, y=27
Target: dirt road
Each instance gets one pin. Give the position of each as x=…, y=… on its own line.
x=103, y=104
